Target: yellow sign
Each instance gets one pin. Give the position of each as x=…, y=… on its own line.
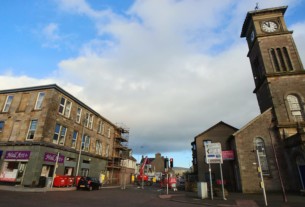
x=259, y=169
x=262, y=185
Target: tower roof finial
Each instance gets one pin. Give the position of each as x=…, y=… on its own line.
x=256, y=7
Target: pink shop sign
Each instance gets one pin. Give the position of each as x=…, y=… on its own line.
x=228, y=155
x=51, y=157
x=17, y=155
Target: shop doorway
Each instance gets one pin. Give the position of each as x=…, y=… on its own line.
x=47, y=171
x=21, y=170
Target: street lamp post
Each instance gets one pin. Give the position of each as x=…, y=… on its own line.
x=80, y=150
x=55, y=168
x=78, y=161
x=261, y=177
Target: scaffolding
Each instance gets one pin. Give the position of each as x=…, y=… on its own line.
x=120, y=151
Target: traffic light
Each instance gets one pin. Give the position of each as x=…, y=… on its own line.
x=165, y=163
x=171, y=162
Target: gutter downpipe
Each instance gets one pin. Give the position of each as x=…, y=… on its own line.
x=277, y=164
x=80, y=149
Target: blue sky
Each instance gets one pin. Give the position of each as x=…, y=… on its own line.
x=159, y=66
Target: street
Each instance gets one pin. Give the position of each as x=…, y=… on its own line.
x=131, y=196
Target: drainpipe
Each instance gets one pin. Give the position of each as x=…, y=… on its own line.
x=80, y=149
x=277, y=164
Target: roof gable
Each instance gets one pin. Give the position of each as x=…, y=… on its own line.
x=221, y=123
x=253, y=121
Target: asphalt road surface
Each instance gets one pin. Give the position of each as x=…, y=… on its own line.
x=130, y=197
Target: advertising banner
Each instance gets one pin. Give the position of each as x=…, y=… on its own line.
x=17, y=155
x=228, y=155
x=51, y=157
x=8, y=176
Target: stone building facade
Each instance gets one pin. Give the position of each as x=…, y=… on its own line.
x=42, y=125
x=128, y=170
x=279, y=86
x=220, y=132
x=275, y=138
x=155, y=164
x=158, y=163
x=257, y=129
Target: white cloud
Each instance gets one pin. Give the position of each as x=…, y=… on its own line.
x=161, y=76
x=8, y=80
x=169, y=70
x=51, y=32
x=80, y=7
x=50, y=35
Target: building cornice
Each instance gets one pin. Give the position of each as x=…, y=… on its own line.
x=59, y=89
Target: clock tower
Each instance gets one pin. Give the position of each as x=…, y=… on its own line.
x=277, y=69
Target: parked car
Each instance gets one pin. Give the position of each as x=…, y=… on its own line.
x=89, y=183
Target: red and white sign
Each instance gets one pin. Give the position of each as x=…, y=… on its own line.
x=228, y=155
x=8, y=176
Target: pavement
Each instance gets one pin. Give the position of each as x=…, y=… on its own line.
x=19, y=188
x=238, y=199
x=231, y=200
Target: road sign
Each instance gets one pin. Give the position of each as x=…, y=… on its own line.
x=213, y=153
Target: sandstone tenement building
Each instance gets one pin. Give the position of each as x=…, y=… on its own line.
x=39, y=123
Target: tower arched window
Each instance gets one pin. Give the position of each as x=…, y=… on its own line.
x=275, y=60
x=280, y=59
x=295, y=108
x=287, y=58
x=260, y=146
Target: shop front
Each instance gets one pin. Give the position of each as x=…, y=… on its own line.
x=14, y=166
x=48, y=167
x=49, y=163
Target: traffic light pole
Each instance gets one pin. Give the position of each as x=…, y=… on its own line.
x=167, y=183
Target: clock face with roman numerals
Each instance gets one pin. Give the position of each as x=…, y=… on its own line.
x=269, y=26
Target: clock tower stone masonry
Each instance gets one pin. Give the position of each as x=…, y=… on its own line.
x=276, y=66
x=279, y=78
x=276, y=137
